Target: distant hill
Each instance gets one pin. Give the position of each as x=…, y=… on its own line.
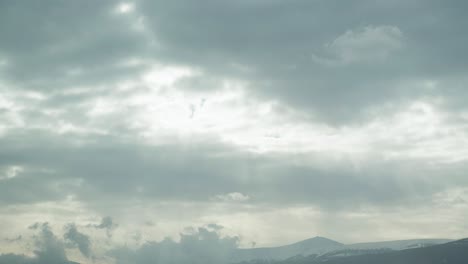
x=399, y=244
x=22, y=259
x=316, y=245
x=321, y=246
x=450, y=253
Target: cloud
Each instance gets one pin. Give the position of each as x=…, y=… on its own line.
x=125, y=8
x=312, y=88
x=108, y=224
x=52, y=45
x=49, y=249
x=232, y=197
x=215, y=227
x=370, y=44
x=11, y=172
x=383, y=49
x=188, y=113
x=201, y=246
x=154, y=32
x=356, y=166
x=16, y=239
x=78, y=239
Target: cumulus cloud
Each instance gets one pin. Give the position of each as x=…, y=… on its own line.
x=78, y=239
x=107, y=223
x=49, y=249
x=203, y=245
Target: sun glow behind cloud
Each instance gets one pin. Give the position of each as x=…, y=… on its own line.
x=124, y=8
x=160, y=110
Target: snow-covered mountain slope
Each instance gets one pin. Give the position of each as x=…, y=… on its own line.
x=323, y=246
x=398, y=244
x=448, y=253
x=316, y=245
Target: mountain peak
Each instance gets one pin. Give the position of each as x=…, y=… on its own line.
x=320, y=239
x=316, y=243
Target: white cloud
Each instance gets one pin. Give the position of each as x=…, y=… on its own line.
x=11, y=172
x=369, y=44
x=232, y=197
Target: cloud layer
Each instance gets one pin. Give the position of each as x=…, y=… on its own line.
x=159, y=115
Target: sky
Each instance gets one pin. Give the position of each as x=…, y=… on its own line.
x=127, y=127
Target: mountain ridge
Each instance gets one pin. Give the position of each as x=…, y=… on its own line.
x=455, y=252
x=321, y=245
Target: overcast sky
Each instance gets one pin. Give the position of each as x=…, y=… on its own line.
x=258, y=122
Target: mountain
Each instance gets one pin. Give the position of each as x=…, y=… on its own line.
x=316, y=245
x=11, y=258
x=399, y=244
x=449, y=253
x=320, y=246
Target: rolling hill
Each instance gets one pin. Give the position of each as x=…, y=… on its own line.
x=455, y=252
